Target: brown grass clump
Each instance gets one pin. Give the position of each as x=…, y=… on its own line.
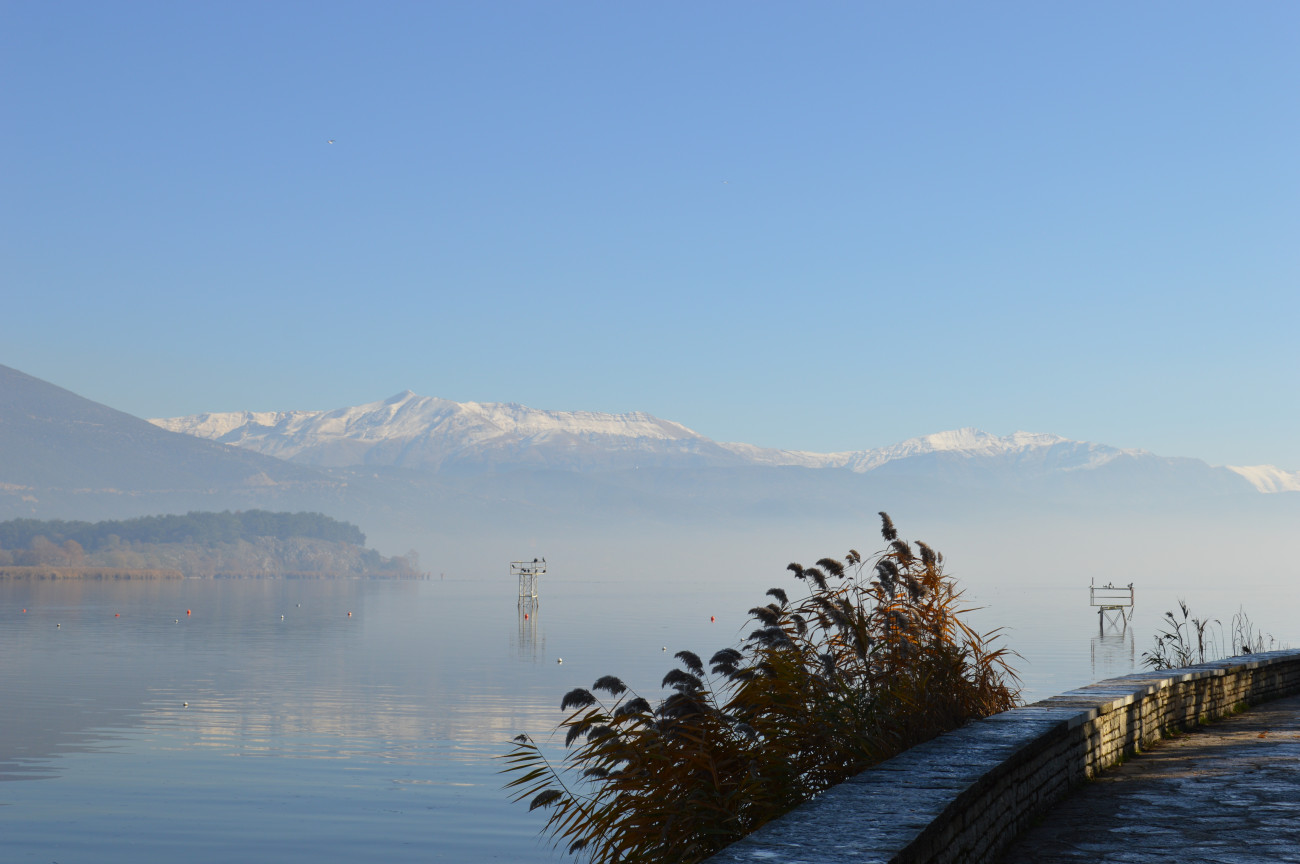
x=873, y=660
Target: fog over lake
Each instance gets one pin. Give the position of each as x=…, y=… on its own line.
x=328, y=737
x=670, y=296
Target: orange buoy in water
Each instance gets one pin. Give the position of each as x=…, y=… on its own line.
x=118, y=615
x=349, y=614
x=525, y=616
x=187, y=611
x=710, y=617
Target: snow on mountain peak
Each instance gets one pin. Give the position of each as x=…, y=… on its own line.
x=427, y=433
x=1269, y=478
x=966, y=443
x=970, y=440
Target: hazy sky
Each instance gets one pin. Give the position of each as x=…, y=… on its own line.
x=816, y=225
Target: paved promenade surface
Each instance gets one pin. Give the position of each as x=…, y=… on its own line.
x=1227, y=792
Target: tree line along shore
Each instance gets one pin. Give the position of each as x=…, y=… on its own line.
x=254, y=543
x=106, y=573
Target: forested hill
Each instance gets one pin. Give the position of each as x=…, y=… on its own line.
x=201, y=529
x=201, y=545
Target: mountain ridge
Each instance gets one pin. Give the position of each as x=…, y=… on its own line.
x=428, y=433
x=51, y=437
x=432, y=434
x=560, y=477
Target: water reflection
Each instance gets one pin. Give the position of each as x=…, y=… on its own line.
x=265, y=707
x=383, y=724
x=1113, y=648
x=529, y=642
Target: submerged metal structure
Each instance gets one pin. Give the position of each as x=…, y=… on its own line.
x=1114, y=605
x=528, y=571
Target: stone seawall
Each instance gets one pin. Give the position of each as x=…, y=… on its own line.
x=964, y=796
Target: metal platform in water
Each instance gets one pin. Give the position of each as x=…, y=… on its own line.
x=528, y=571
x=1114, y=604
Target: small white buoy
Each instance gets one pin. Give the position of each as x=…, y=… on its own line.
x=665, y=648
x=58, y=625
x=299, y=605
x=176, y=620
x=185, y=704
x=559, y=659
x=281, y=617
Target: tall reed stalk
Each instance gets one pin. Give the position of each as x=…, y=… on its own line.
x=1186, y=640
x=873, y=659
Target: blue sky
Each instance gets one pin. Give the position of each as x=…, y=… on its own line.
x=819, y=226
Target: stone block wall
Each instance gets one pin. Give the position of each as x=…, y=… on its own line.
x=964, y=796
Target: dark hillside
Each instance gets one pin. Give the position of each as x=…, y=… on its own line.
x=51, y=438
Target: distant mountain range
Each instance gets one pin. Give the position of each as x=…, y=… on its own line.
x=413, y=466
x=437, y=435
x=427, y=434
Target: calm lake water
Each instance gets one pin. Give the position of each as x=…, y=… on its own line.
x=188, y=721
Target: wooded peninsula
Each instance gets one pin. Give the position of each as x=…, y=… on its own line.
x=252, y=543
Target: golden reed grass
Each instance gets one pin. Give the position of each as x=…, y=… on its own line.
x=874, y=658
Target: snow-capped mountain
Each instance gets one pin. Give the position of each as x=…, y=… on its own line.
x=430, y=434
x=1053, y=450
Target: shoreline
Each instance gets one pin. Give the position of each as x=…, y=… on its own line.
x=52, y=573
x=43, y=573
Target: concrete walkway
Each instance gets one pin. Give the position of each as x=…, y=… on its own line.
x=1227, y=792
